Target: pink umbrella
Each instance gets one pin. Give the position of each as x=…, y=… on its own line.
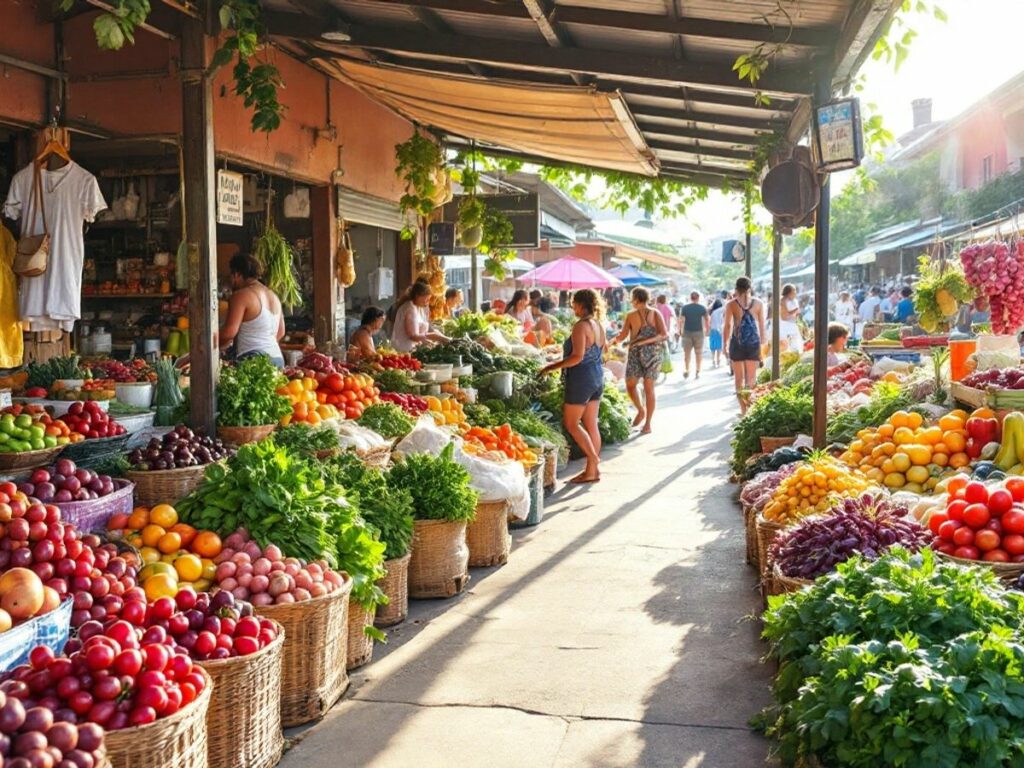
x=569, y=273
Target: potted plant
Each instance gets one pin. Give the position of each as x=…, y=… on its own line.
x=418, y=160
x=472, y=210
x=248, y=406
x=443, y=503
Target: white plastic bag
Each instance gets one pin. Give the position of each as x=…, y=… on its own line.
x=425, y=437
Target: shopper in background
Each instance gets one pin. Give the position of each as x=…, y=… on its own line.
x=844, y=311
x=905, y=307
x=543, y=330
x=518, y=308
x=584, y=380
x=868, y=309
x=666, y=311
x=255, y=319
x=837, y=336
x=645, y=329
x=454, y=302
x=717, y=324
x=412, y=319
x=744, y=327
x=360, y=345
x=789, y=311
x=695, y=328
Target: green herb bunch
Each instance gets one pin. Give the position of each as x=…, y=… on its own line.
x=305, y=439
x=886, y=398
x=387, y=508
x=439, y=486
x=467, y=325
x=907, y=660
x=785, y=411
x=247, y=394
x=387, y=420
x=275, y=255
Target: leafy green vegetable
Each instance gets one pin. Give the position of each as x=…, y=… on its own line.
x=468, y=324
x=275, y=255
x=247, y=396
x=439, y=486
x=384, y=506
x=305, y=439
x=612, y=417
x=393, y=380
x=782, y=412
x=282, y=499
x=907, y=660
x=886, y=398
x=45, y=373
x=387, y=420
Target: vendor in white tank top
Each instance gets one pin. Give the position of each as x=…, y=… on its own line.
x=255, y=320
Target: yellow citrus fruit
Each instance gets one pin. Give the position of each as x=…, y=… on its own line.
x=161, y=585
x=189, y=567
x=895, y=480
x=169, y=542
x=901, y=462
x=914, y=420
x=940, y=459
x=149, y=554
x=157, y=569
x=900, y=419
x=163, y=515
x=209, y=568
x=917, y=475
x=151, y=535
x=903, y=436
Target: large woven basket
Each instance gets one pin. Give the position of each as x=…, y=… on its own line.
x=92, y=515
x=244, y=721
x=439, y=566
x=313, y=661
x=488, y=537
x=550, y=467
x=396, y=586
x=161, y=486
x=783, y=584
x=750, y=526
x=360, y=645
x=766, y=533
x=769, y=444
x=243, y=435
x=1008, y=572
x=178, y=741
x=29, y=459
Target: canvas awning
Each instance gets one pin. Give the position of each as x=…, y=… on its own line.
x=860, y=258
x=578, y=125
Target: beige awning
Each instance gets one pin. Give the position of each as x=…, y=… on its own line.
x=568, y=123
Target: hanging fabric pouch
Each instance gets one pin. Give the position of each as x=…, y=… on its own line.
x=345, y=257
x=33, y=252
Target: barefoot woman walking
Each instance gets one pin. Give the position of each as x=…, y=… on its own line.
x=584, y=380
x=647, y=333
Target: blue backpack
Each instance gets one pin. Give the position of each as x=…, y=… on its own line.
x=747, y=333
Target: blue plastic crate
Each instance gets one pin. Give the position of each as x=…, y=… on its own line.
x=51, y=630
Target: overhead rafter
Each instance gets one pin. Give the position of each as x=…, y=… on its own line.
x=669, y=144
x=162, y=21
x=528, y=56
x=650, y=118
x=638, y=22
x=542, y=11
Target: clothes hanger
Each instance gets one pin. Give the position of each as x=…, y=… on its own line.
x=53, y=149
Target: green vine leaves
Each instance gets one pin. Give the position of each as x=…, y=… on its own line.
x=116, y=26
x=417, y=162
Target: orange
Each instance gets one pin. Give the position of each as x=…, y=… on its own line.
x=117, y=522
x=168, y=543
x=958, y=460
x=940, y=459
x=931, y=436
x=207, y=544
x=914, y=420
x=920, y=455
x=961, y=414
x=138, y=519
x=151, y=534
x=186, y=531
x=955, y=442
x=903, y=435
x=900, y=419
x=163, y=515
x=160, y=585
x=951, y=421
x=135, y=540
x=189, y=567
x=886, y=430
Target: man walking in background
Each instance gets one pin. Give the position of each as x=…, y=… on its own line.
x=695, y=328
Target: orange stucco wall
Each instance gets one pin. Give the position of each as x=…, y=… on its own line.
x=151, y=103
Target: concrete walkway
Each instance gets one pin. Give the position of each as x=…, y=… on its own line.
x=617, y=635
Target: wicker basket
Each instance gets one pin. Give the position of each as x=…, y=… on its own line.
x=488, y=537
x=92, y=515
x=396, y=586
x=244, y=721
x=440, y=559
x=766, y=533
x=30, y=459
x=360, y=645
x=750, y=525
x=783, y=584
x=313, y=675
x=769, y=444
x=178, y=741
x=1008, y=572
x=550, y=467
x=243, y=435
x=89, y=450
x=160, y=486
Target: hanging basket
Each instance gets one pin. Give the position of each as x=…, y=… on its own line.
x=471, y=237
x=243, y=435
x=488, y=537
x=314, y=656
x=178, y=741
x=440, y=559
x=396, y=587
x=360, y=645
x=244, y=721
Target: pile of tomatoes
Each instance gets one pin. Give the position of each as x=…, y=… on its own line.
x=350, y=394
x=394, y=360
x=981, y=523
x=306, y=406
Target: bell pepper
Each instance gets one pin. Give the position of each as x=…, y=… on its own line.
x=983, y=430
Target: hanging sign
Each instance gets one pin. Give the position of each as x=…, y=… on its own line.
x=733, y=251
x=229, y=198
x=839, y=140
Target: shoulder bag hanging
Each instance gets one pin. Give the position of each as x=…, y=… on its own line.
x=33, y=253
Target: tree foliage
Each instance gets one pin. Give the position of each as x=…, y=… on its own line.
x=1003, y=192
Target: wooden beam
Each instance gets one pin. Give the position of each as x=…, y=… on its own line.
x=435, y=23
x=154, y=21
x=542, y=13
x=647, y=117
x=865, y=23
x=694, y=95
x=639, y=22
x=200, y=215
x=669, y=145
x=707, y=170
x=497, y=51
x=704, y=134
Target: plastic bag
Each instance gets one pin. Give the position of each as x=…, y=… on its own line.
x=425, y=437
x=351, y=435
x=887, y=364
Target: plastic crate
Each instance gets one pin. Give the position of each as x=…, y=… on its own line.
x=51, y=629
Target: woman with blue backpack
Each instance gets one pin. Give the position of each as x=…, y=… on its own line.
x=744, y=328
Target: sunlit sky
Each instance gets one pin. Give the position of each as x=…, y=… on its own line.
x=953, y=63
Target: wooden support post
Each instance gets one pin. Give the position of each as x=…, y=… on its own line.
x=821, y=247
x=327, y=292
x=475, y=281
x=200, y=216
x=747, y=264
x=776, y=300
x=405, y=268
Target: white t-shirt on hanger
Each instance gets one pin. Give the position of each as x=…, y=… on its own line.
x=71, y=196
